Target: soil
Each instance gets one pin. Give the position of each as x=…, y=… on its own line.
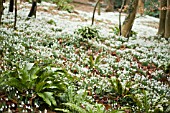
x=83, y=5
x=86, y=5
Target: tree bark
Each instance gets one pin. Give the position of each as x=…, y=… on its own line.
x=39, y=1
x=94, y=11
x=11, y=5
x=141, y=7
x=91, y=0
x=162, y=17
x=15, y=19
x=129, y=20
x=120, y=22
x=33, y=9
x=167, y=21
x=127, y=2
x=1, y=9
x=99, y=8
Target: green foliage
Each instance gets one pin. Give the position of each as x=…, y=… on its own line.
x=108, y=74
x=74, y=108
x=94, y=62
x=62, y=4
x=168, y=109
x=78, y=102
x=167, y=68
x=88, y=108
x=1, y=38
x=51, y=22
x=96, y=108
x=45, y=83
x=133, y=33
x=137, y=97
x=143, y=101
x=118, y=87
x=88, y=32
x=151, y=8
x=48, y=98
x=116, y=31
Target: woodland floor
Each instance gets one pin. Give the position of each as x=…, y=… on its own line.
x=33, y=38
x=82, y=5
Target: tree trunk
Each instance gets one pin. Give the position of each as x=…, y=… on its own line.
x=141, y=7
x=15, y=21
x=110, y=6
x=129, y=20
x=94, y=10
x=11, y=5
x=120, y=13
x=33, y=9
x=127, y=2
x=1, y=9
x=91, y=0
x=39, y=1
x=167, y=21
x=99, y=8
x=162, y=17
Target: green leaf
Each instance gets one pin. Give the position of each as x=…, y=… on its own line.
x=29, y=66
x=119, y=86
x=74, y=108
x=168, y=109
x=62, y=110
x=113, y=83
x=98, y=59
x=43, y=96
x=146, y=102
x=136, y=100
x=40, y=86
x=91, y=61
x=23, y=75
x=117, y=111
x=45, y=74
x=14, y=82
x=33, y=73
x=48, y=98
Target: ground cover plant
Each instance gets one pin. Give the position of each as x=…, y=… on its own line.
x=52, y=64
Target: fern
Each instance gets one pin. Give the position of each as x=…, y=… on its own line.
x=74, y=108
x=48, y=98
x=62, y=110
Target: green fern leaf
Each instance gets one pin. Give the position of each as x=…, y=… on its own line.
x=48, y=98
x=74, y=108
x=62, y=110
x=40, y=86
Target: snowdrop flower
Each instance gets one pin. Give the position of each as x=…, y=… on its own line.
x=1, y=109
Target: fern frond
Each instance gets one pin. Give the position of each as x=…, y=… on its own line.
x=62, y=110
x=74, y=108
